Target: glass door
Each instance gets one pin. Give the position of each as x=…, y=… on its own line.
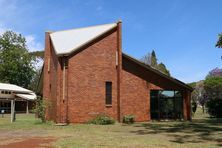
x=166, y=104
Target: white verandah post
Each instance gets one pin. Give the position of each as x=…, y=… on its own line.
x=12, y=110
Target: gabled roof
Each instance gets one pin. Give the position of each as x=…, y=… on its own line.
x=65, y=42
x=13, y=88
x=31, y=96
x=139, y=66
x=18, y=91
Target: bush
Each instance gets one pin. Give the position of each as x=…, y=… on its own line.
x=40, y=108
x=129, y=119
x=194, y=106
x=102, y=120
x=214, y=108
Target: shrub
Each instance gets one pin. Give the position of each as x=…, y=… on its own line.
x=214, y=108
x=129, y=119
x=102, y=120
x=194, y=106
x=40, y=108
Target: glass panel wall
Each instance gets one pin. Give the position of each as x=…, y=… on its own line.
x=166, y=104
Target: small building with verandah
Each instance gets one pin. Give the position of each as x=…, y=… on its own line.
x=14, y=98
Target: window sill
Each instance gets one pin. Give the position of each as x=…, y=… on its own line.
x=109, y=105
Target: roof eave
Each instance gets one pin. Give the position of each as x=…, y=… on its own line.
x=159, y=73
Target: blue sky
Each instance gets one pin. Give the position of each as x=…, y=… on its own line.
x=182, y=32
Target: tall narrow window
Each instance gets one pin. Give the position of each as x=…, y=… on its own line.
x=49, y=65
x=108, y=93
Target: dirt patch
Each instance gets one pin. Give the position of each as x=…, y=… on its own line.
x=35, y=142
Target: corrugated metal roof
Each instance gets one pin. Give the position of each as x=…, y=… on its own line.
x=30, y=96
x=65, y=42
x=14, y=88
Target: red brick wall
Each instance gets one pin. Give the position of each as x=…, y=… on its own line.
x=135, y=97
x=154, y=87
x=46, y=78
x=51, y=77
x=87, y=73
x=88, y=70
x=186, y=105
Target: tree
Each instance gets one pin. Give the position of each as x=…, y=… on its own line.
x=37, y=54
x=146, y=59
x=35, y=80
x=213, y=83
x=161, y=67
x=194, y=97
x=215, y=72
x=192, y=84
x=151, y=60
x=198, y=95
x=219, y=42
x=16, y=65
x=213, y=88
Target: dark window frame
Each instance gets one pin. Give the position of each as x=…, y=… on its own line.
x=108, y=93
x=156, y=109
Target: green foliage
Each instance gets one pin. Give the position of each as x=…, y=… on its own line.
x=198, y=95
x=35, y=80
x=194, y=106
x=213, y=87
x=16, y=65
x=161, y=67
x=102, y=120
x=40, y=108
x=193, y=84
x=129, y=119
x=151, y=59
x=214, y=107
x=37, y=54
x=194, y=100
x=219, y=42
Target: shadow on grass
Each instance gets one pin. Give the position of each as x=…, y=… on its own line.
x=199, y=130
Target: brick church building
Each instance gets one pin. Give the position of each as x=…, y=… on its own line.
x=85, y=74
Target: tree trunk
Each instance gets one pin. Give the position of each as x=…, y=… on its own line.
x=203, y=108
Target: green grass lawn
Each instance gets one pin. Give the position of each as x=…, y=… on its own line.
x=201, y=132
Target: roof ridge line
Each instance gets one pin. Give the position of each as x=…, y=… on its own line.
x=112, y=26
x=81, y=28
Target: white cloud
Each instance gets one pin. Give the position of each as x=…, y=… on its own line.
x=32, y=44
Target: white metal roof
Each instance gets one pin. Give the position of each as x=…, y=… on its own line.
x=31, y=96
x=14, y=88
x=65, y=42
